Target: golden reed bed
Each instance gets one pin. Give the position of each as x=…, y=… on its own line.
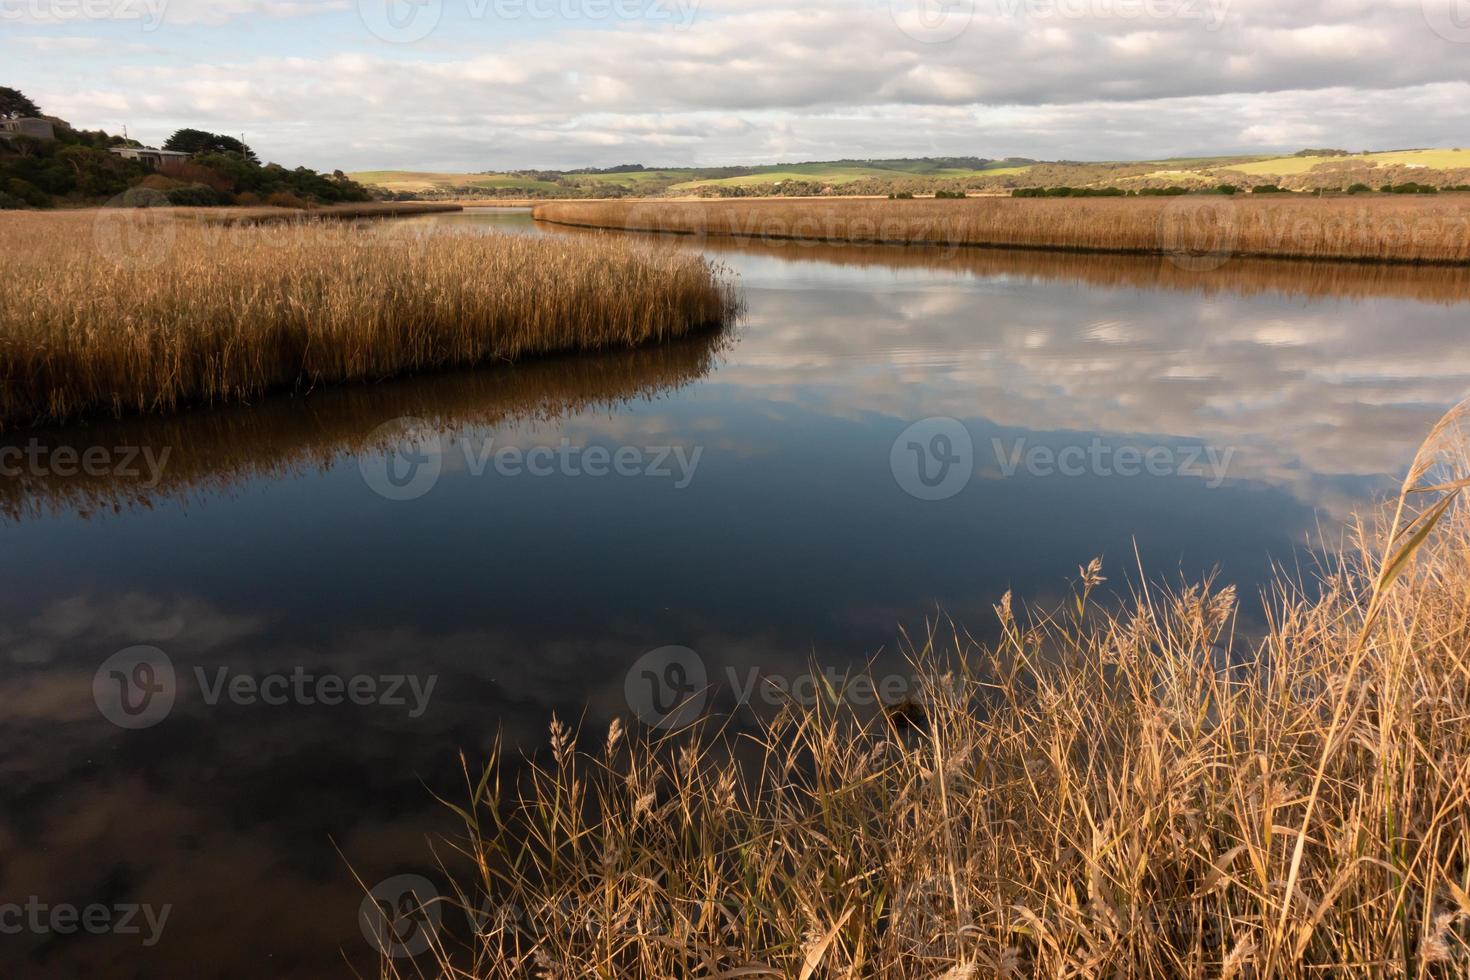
x=1111, y=788
x=138, y=311
x=1203, y=230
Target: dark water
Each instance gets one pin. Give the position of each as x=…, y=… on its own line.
x=771, y=509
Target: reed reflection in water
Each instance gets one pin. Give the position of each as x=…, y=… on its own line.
x=213, y=450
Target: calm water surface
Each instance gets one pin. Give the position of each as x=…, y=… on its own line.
x=1274, y=399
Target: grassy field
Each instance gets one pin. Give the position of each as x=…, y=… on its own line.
x=1204, y=230
x=1450, y=159
x=920, y=175
x=1114, y=787
x=417, y=182
x=675, y=180
x=840, y=174
x=135, y=311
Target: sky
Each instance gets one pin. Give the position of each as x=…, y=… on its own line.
x=478, y=85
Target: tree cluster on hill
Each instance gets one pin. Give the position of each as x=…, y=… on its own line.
x=14, y=105
x=197, y=142
x=78, y=168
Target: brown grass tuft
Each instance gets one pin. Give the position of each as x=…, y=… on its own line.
x=1103, y=791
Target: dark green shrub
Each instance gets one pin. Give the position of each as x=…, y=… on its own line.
x=27, y=192
x=194, y=196
x=1069, y=192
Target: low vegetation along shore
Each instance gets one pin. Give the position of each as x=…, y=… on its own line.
x=1129, y=790
x=1204, y=228
x=135, y=311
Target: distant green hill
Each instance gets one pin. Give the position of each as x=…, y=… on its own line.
x=1329, y=169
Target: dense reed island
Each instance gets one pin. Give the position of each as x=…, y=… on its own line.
x=1208, y=229
x=1110, y=789
x=132, y=312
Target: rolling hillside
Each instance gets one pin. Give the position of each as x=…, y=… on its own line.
x=1333, y=170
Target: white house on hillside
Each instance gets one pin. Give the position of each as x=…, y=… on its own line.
x=150, y=157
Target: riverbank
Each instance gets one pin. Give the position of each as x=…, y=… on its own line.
x=1112, y=788
x=1202, y=230
x=136, y=311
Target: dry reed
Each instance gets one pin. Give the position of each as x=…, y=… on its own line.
x=136, y=311
x=1209, y=229
x=1119, y=790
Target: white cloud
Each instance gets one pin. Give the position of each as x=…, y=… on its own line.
x=1073, y=78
